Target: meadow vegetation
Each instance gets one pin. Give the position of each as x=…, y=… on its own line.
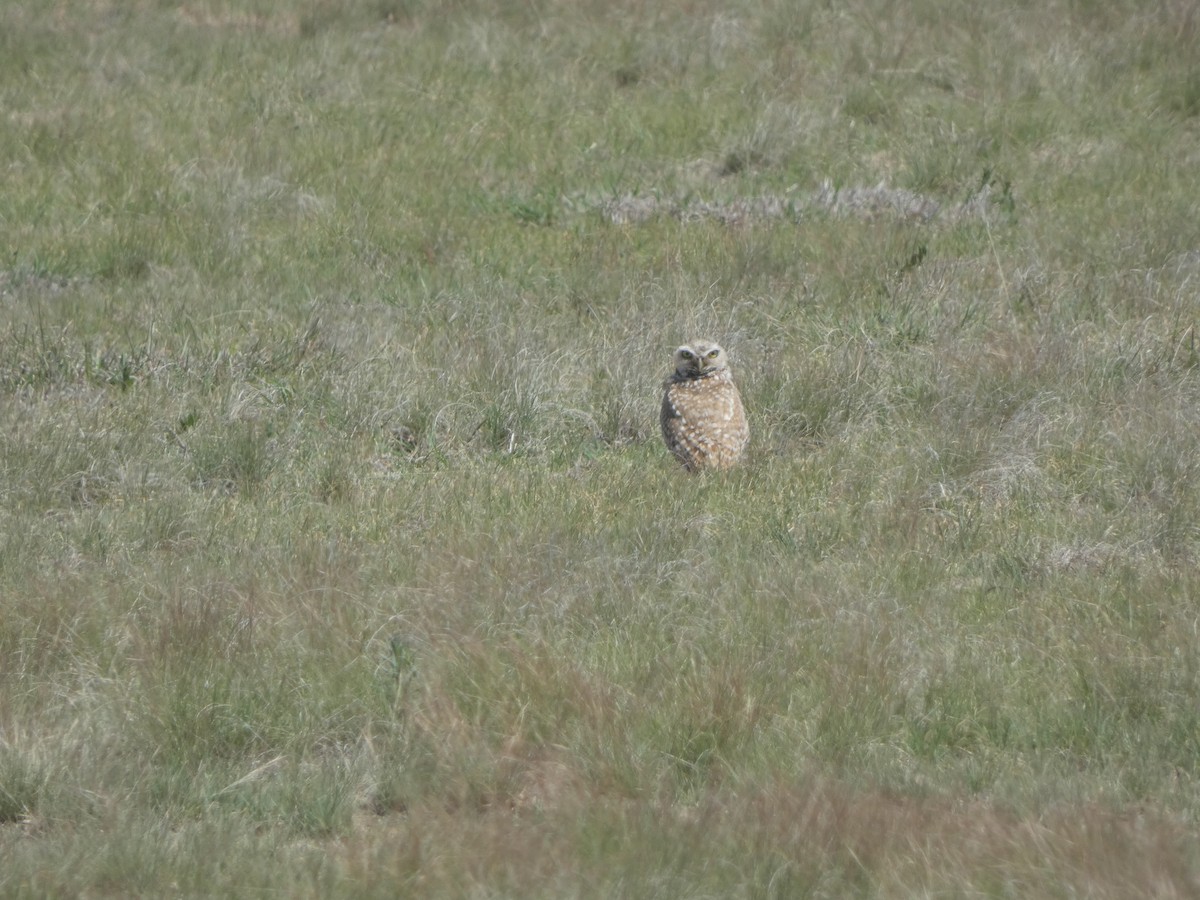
x=339, y=552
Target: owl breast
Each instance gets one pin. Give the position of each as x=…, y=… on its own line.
x=703, y=422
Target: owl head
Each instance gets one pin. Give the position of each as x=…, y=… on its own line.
x=700, y=358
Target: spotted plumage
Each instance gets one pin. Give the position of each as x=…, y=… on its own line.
x=703, y=421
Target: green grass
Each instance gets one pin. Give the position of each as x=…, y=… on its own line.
x=340, y=555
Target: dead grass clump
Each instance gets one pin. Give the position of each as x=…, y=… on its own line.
x=866, y=203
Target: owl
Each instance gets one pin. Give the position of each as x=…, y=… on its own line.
x=703, y=421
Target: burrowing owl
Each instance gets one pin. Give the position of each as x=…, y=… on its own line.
x=703, y=422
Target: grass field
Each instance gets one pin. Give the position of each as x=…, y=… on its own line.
x=340, y=555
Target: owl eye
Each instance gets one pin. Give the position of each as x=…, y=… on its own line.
x=712, y=353
x=686, y=354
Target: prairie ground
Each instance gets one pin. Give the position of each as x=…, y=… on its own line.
x=339, y=552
